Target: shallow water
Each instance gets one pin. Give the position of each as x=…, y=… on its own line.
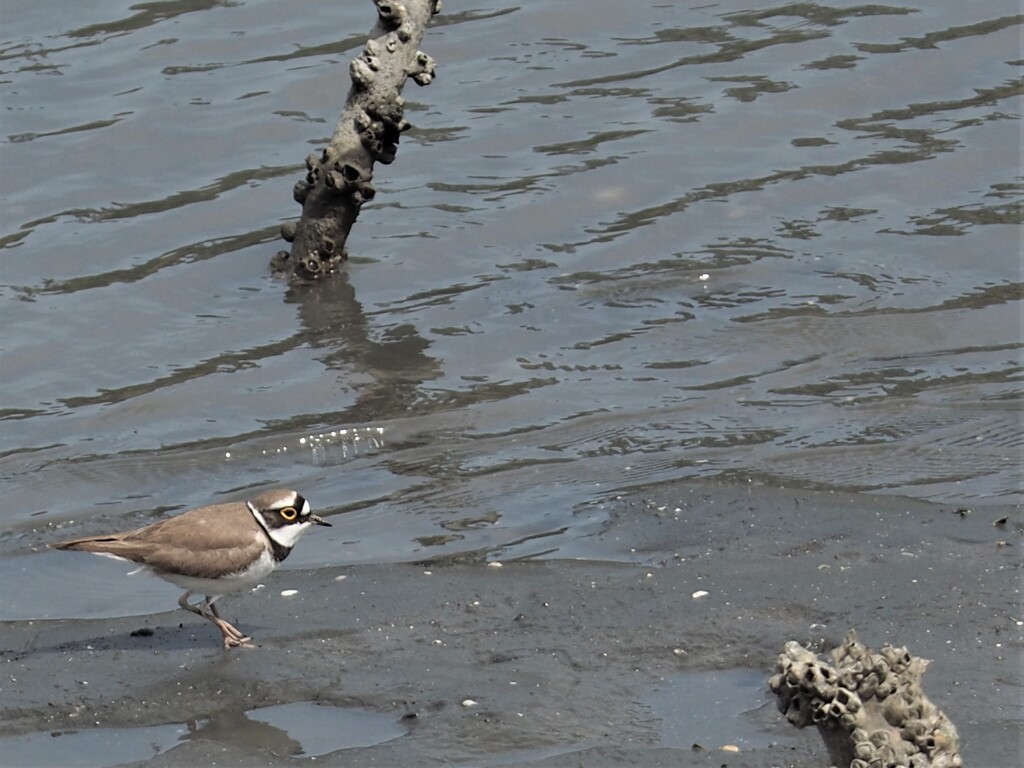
x=300, y=729
x=712, y=709
x=709, y=709
x=623, y=243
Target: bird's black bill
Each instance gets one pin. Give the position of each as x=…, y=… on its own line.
x=319, y=520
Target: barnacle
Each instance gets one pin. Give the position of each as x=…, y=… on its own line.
x=361, y=73
x=424, y=69
x=337, y=179
x=869, y=707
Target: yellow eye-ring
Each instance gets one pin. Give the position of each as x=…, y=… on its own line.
x=289, y=513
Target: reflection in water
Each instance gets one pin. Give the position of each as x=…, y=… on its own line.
x=392, y=367
x=236, y=729
x=301, y=729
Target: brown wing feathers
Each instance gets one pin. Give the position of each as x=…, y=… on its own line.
x=113, y=544
x=199, y=543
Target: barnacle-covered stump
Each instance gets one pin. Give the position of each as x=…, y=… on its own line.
x=338, y=179
x=869, y=707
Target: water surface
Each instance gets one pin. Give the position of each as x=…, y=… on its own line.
x=623, y=243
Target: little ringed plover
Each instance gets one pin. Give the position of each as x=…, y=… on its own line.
x=214, y=550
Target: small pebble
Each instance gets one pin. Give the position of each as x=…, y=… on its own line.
x=289, y=592
x=468, y=703
x=699, y=594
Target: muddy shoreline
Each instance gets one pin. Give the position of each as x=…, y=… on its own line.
x=563, y=658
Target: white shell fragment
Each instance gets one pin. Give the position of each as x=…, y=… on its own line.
x=699, y=594
x=289, y=592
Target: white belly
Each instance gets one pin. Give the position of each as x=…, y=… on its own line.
x=236, y=582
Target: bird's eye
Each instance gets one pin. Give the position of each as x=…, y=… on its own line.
x=288, y=513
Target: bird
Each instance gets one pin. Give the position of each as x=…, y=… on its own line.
x=213, y=550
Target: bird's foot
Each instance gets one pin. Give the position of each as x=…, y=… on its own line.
x=233, y=637
x=231, y=641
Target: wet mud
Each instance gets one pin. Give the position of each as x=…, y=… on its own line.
x=603, y=660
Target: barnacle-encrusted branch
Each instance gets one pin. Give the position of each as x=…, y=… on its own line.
x=338, y=181
x=869, y=707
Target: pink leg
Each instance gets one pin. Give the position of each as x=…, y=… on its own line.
x=233, y=637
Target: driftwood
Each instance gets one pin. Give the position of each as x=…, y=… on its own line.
x=869, y=707
x=339, y=179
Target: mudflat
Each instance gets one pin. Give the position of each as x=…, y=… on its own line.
x=651, y=643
